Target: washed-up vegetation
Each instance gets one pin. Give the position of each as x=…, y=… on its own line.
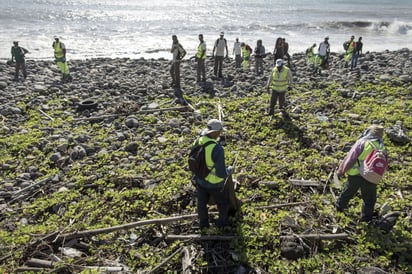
x=108, y=189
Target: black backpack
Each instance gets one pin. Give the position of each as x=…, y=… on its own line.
x=197, y=160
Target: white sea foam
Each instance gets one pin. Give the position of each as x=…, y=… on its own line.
x=128, y=28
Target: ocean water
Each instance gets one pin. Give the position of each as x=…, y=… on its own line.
x=143, y=28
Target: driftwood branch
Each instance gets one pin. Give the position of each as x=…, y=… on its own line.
x=199, y=237
x=80, y=234
x=97, y=118
x=158, y=267
x=281, y=205
x=304, y=182
x=40, y=263
x=45, y=114
x=188, y=257
x=337, y=236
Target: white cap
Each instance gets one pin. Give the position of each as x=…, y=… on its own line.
x=222, y=33
x=212, y=126
x=279, y=62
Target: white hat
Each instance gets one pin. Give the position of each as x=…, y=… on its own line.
x=222, y=33
x=212, y=126
x=279, y=62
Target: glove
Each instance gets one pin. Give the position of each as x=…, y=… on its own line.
x=63, y=60
x=289, y=88
x=230, y=170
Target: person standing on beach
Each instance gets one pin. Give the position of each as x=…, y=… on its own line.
x=352, y=164
x=279, y=82
x=17, y=55
x=286, y=51
x=219, y=47
x=259, y=55
x=215, y=184
x=237, y=51
x=246, y=52
x=200, y=58
x=349, y=47
x=278, y=52
x=357, y=52
x=178, y=53
x=324, y=52
x=60, y=58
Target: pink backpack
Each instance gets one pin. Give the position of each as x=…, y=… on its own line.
x=375, y=164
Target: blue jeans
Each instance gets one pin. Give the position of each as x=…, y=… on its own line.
x=368, y=194
x=354, y=60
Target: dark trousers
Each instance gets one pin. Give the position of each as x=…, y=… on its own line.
x=276, y=95
x=201, y=71
x=217, y=70
x=238, y=60
x=368, y=194
x=259, y=65
x=19, y=66
x=175, y=73
x=220, y=197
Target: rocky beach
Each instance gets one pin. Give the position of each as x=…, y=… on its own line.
x=110, y=149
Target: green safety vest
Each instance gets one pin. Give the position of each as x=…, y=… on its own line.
x=200, y=52
x=280, y=79
x=246, y=53
x=212, y=177
x=58, y=51
x=366, y=150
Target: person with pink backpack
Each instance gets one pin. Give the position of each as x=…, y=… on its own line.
x=365, y=165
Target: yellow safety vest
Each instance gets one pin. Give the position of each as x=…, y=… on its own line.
x=200, y=52
x=58, y=51
x=212, y=177
x=366, y=150
x=280, y=80
x=246, y=53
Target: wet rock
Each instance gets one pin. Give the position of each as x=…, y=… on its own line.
x=397, y=133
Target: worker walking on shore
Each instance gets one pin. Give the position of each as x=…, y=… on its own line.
x=219, y=54
x=178, y=52
x=200, y=58
x=60, y=58
x=17, y=55
x=280, y=81
x=215, y=185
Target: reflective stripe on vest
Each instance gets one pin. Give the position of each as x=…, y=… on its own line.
x=200, y=51
x=366, y=150
x=280, y=79
x=58, y=51
x=212, y=177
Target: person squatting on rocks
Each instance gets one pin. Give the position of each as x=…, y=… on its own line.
x=246, y=52
x=259, y=55
x=17, y=55
x=313, y=59
x=279, y=82
x=178, y=53
x=60, y=58
x=349, y=47
x=356, y=53
x=351, y=166
x=219, y=47
x=237, y=52
x=324, y=53
x=214, y=184
x=200, y=58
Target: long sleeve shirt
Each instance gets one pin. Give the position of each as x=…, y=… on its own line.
x=352, y=157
